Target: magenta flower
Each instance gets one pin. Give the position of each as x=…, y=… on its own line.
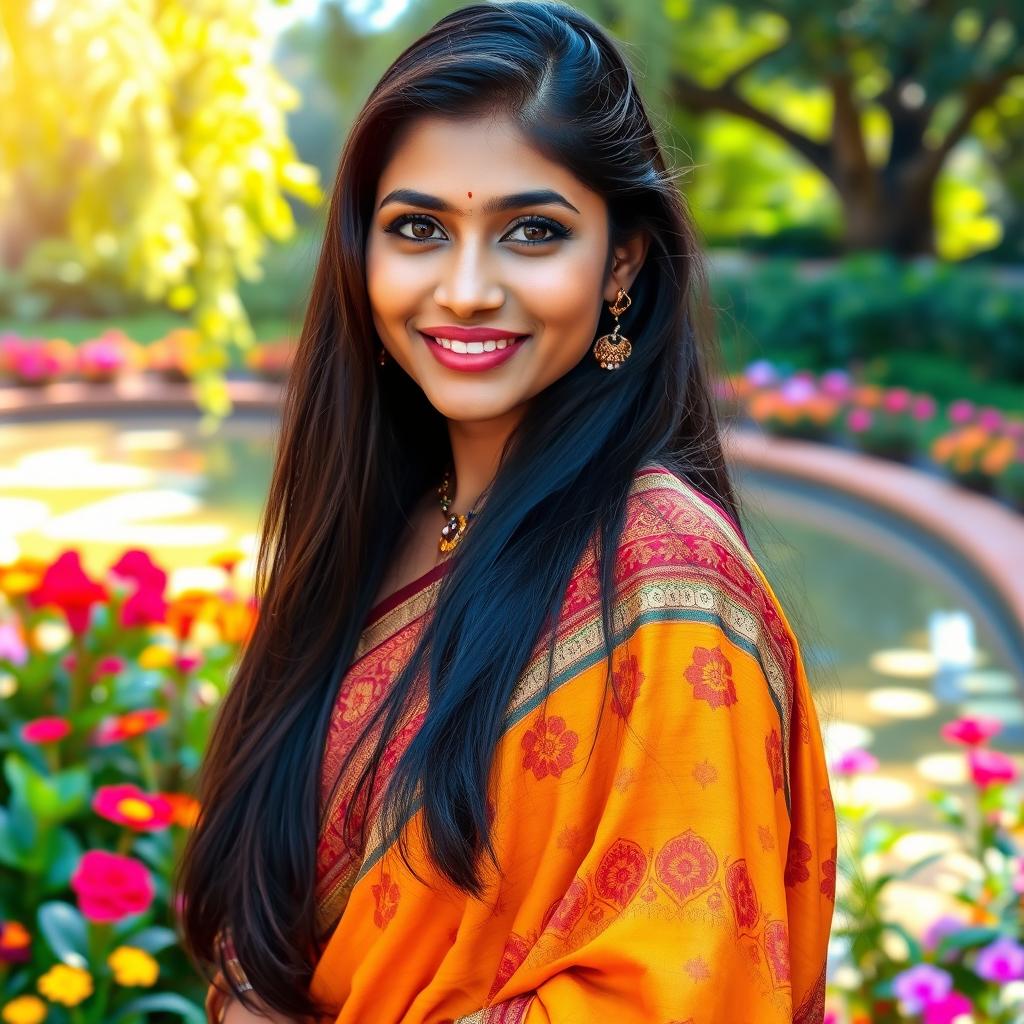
x=989, y=418
x=853, y=762
x=111, y=887
x=146, y=604
x=859, y=420
x=896, y=400
x=835, y=383
x=961, y=411
x=109, y=665
x=990, y=767
x=45, y=730
x=188, y=662
x=12, y=646
x=1001, y=961
x=946, y=1011
x=125, y=804
x=66, y=585
x=919, y=987
x=923, y=407
x=971, y=730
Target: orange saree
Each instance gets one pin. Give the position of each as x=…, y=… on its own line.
x=685, y=873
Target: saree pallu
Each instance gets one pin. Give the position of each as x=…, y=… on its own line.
x=681, y=872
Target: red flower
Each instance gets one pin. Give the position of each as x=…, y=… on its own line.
x=109, y=665
x=710, y=675
x=620, y=872
x=15, y=943
x=386, y=897
x=627, y=680
x=971, y=730
x=549, y=746
x=129, y=725
x=686, y=864
x=798, y=855
x=126, y=804
x=741, y=891
x=110, y=886
x=66, y=585
x=45, y=730
x=828, y=875
x=773, y=752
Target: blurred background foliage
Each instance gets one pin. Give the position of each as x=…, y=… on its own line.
x=163, y=159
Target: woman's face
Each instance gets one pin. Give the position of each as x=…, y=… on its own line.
x=474, y=229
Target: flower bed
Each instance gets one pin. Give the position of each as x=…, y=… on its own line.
x=108, y=690
x=176, y=357
x=977, y=447
x=965, y=966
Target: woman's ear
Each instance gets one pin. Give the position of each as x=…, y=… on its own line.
x=627, y=259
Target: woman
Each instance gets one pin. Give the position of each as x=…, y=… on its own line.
x=522, y=733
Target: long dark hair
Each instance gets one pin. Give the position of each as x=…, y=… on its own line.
x=360, y=445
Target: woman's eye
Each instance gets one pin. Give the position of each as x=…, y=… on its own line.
x=536, y=231
x=421, y=228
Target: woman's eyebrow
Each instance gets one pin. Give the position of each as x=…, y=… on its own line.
x=536, y=197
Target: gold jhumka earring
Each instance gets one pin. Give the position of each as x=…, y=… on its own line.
x=612, y=350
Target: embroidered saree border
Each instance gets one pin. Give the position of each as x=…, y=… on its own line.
x=723, y=586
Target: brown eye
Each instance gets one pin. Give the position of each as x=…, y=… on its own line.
x=421, y=229
x=537, y=232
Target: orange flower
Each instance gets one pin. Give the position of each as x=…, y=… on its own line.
x=129, y=725
x=184, y=809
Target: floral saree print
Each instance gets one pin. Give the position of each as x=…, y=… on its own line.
x=683, y=872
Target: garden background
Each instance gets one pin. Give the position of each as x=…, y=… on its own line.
x=856, y=168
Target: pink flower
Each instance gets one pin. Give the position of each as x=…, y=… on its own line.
x=853, y=762
x=859, y=420
x=946, y=1010
x=111, y=887
x=1001, y=961
x=798, y=389
x=12, y=645
x=989, y=418
x=761, y=373
x=896, y=400
x=971, y=730
x=45, y=730
x=128, y=805
x=939, y=929
x=146, y=604
x=990, y=767
x=921, y=986
x=187, y=662
x=961, y=411
x=109, y=665
x=923, y=407
x=835, y=383
x=66, y=585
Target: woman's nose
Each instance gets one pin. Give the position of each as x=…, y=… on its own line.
x=468, y=281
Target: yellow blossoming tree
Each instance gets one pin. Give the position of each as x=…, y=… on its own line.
x=144, y=142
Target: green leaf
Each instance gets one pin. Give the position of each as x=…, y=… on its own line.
x=153, y=940
x=967, y=938
x=162, y=1002
x=65, y=931
x=63, y=855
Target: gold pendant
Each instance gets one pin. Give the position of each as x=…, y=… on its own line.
x=612, y=350
x=451, y=532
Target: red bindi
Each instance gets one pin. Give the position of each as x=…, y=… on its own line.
x=469, y=195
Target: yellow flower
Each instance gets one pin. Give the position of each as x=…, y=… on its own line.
x=155, y=656
x=65, y=984
x=24, y=1010
x=132, y=966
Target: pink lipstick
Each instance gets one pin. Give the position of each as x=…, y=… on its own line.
x=471, y=348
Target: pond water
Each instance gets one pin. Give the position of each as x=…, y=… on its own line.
x=898, y=637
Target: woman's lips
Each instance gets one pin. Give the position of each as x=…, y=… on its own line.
x=474, y=361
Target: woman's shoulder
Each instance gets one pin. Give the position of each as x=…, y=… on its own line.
x=682, y=558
